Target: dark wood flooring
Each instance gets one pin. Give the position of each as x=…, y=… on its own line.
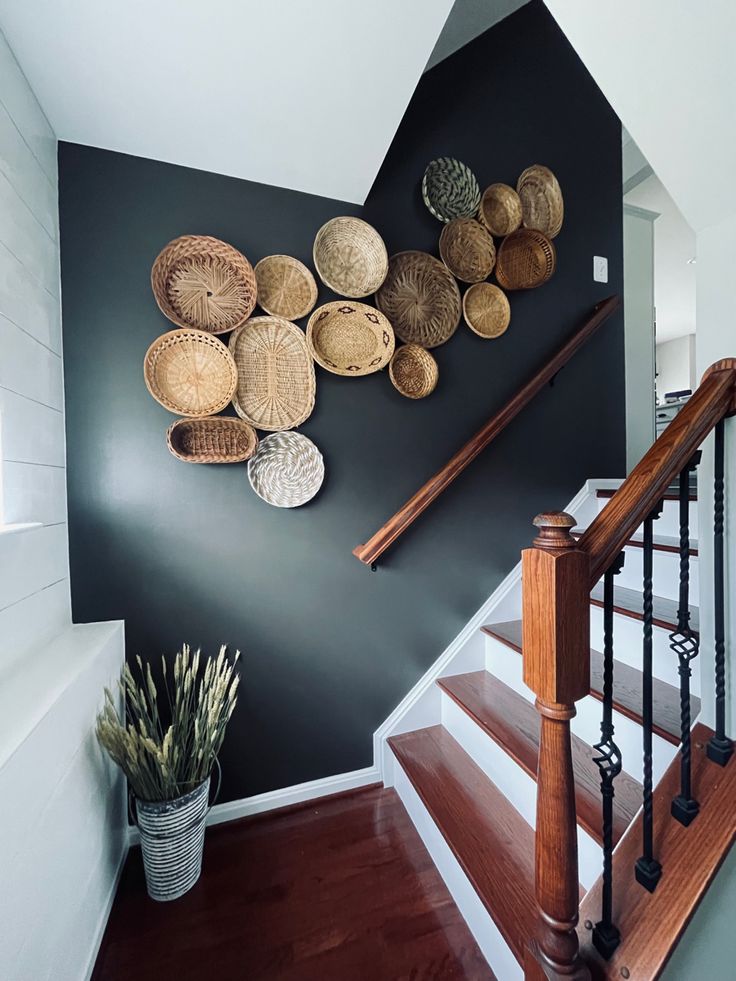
x=340, y=890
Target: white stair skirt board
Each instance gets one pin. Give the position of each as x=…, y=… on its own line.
x=668, y=522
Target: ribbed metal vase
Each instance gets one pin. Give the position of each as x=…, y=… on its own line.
x=172, y=840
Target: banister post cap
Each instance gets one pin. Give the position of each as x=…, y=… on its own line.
x=554, y=530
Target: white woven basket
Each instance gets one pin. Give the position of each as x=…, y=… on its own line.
x=286, y=470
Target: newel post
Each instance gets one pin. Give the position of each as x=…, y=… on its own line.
x=556, y=645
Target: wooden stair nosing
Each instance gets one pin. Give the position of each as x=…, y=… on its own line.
x=669, y=496
x=629, y=602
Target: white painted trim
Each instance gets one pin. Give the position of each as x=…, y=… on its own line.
x=105, y=915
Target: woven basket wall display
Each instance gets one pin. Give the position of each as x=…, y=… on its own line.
x=500, y=209
x=216, y=439
x=413, y=371
x=525, y=259
x=421, y=299
x=467, y=250
x=286, y=288
x=350, y=257
x=287, y=470
x=190, y=372
x=276, y=383
x=487, y=310
x=450, y=189
x=541, y=200
x=201, y=282
x=350, y=338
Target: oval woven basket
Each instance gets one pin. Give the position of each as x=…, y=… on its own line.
x=216, y=439
x=500, y=209
x=286, y=288
x=413, y=371
x=525, y=259
x=287, y=470
x=350, y=257
x=487, y=310
x=201, y=282
x=421, y=299
x=190, y=372
x=276, y=383
x=541, y=200
x=350, y=338
x=467, y=249
x=450, y=189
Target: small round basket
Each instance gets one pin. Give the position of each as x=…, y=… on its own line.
x=350, y=338
x=450, y=189
x=190, y=373
x=500, y=209
x=217, y=439
x=467, y=250
x=201, y=282
x=286, y=288
x=413, y=371
x=350, y=257
x=487, y=310
x=541, y=200
x=287, y=470
x=421, y=299
x=526, y=259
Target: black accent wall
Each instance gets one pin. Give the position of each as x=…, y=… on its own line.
x=186, y=552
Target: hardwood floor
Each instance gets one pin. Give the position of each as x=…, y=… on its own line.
x=340, y=890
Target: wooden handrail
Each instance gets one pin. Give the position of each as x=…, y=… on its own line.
x=416, y=505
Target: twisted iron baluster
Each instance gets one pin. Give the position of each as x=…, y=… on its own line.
x=720, y=747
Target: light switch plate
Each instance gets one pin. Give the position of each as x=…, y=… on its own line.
x=600, y=269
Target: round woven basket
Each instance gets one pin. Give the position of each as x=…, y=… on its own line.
x=350, y=257
x=467, y=250
x=421, y=299
x=500, y=209
x=525, y=259
x=486, y=309
x=350, y=338
x=276, y=383
x=413, y=371
x=450, y=189
x=201, y=282
x=190, y=372
x=217, y=439
x=287, y=470
x=541, y=200
x=286, y=288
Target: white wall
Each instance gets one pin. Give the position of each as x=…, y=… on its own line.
x=638, y=332
x=676, y=365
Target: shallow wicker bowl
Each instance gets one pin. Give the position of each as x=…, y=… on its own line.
x=216, y=439
x=201, y=282
x=276, y=383
x=421, y=299
x=525, y=259
x=350, y=338
x=413, y=371
x=190, y=372
x=450, y=189
x=467, y=249
x=500, y=209
x=287, y=470
x=350, y=257
x=541, y=200
x=487, y=310
x=286, y=288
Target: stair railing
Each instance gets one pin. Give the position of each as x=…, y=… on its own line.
x=558, y=573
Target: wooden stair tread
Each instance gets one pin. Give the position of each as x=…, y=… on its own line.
x=513, y=722
x=671, y=495
x=662, y=543
x=489, y=838
x=651, y=924
x=628, y=602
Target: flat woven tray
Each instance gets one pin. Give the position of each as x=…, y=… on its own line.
x=542, y=206
x=450, y=189
x=216, y=439
x=421, y=299
x=286, y=288
x=487, y=310
x=350, y=257
x=349, y=338
x=287, y=470
x=190, y=372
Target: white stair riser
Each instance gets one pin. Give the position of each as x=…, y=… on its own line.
x=666, y=578
x=668, y=522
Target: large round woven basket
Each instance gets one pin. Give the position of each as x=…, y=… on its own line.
x=541, y=200
x=413, y=371
x=500, y=209
x=467, y=250
x=190, y=372
x=525, y=259
x=286, y=288
x=350, y=257
x=421, y=299
x=486, y=309
x=201, y=282
x=276, y=383
x=287, y=470
x=215, y=439
x=349, y=338
x=450, y=189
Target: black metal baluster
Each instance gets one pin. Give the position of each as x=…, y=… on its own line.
x=685, y=644
x=606, y=936
x=720, y=747
x=647, y=869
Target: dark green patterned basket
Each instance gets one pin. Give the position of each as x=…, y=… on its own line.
x=450, y=189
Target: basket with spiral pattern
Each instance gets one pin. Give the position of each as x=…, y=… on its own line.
x=201, y=282
x=215, y=439
x=413, y=371
x=487, y=310
x=467, y=249
x=287, y=470
x=541, y=200
x=525, y=259
x=500, y=210
x=190, y=373
x=450, y=189
x=350, y=257
x=421, y=299
x=286, y=288
x=349, y=338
